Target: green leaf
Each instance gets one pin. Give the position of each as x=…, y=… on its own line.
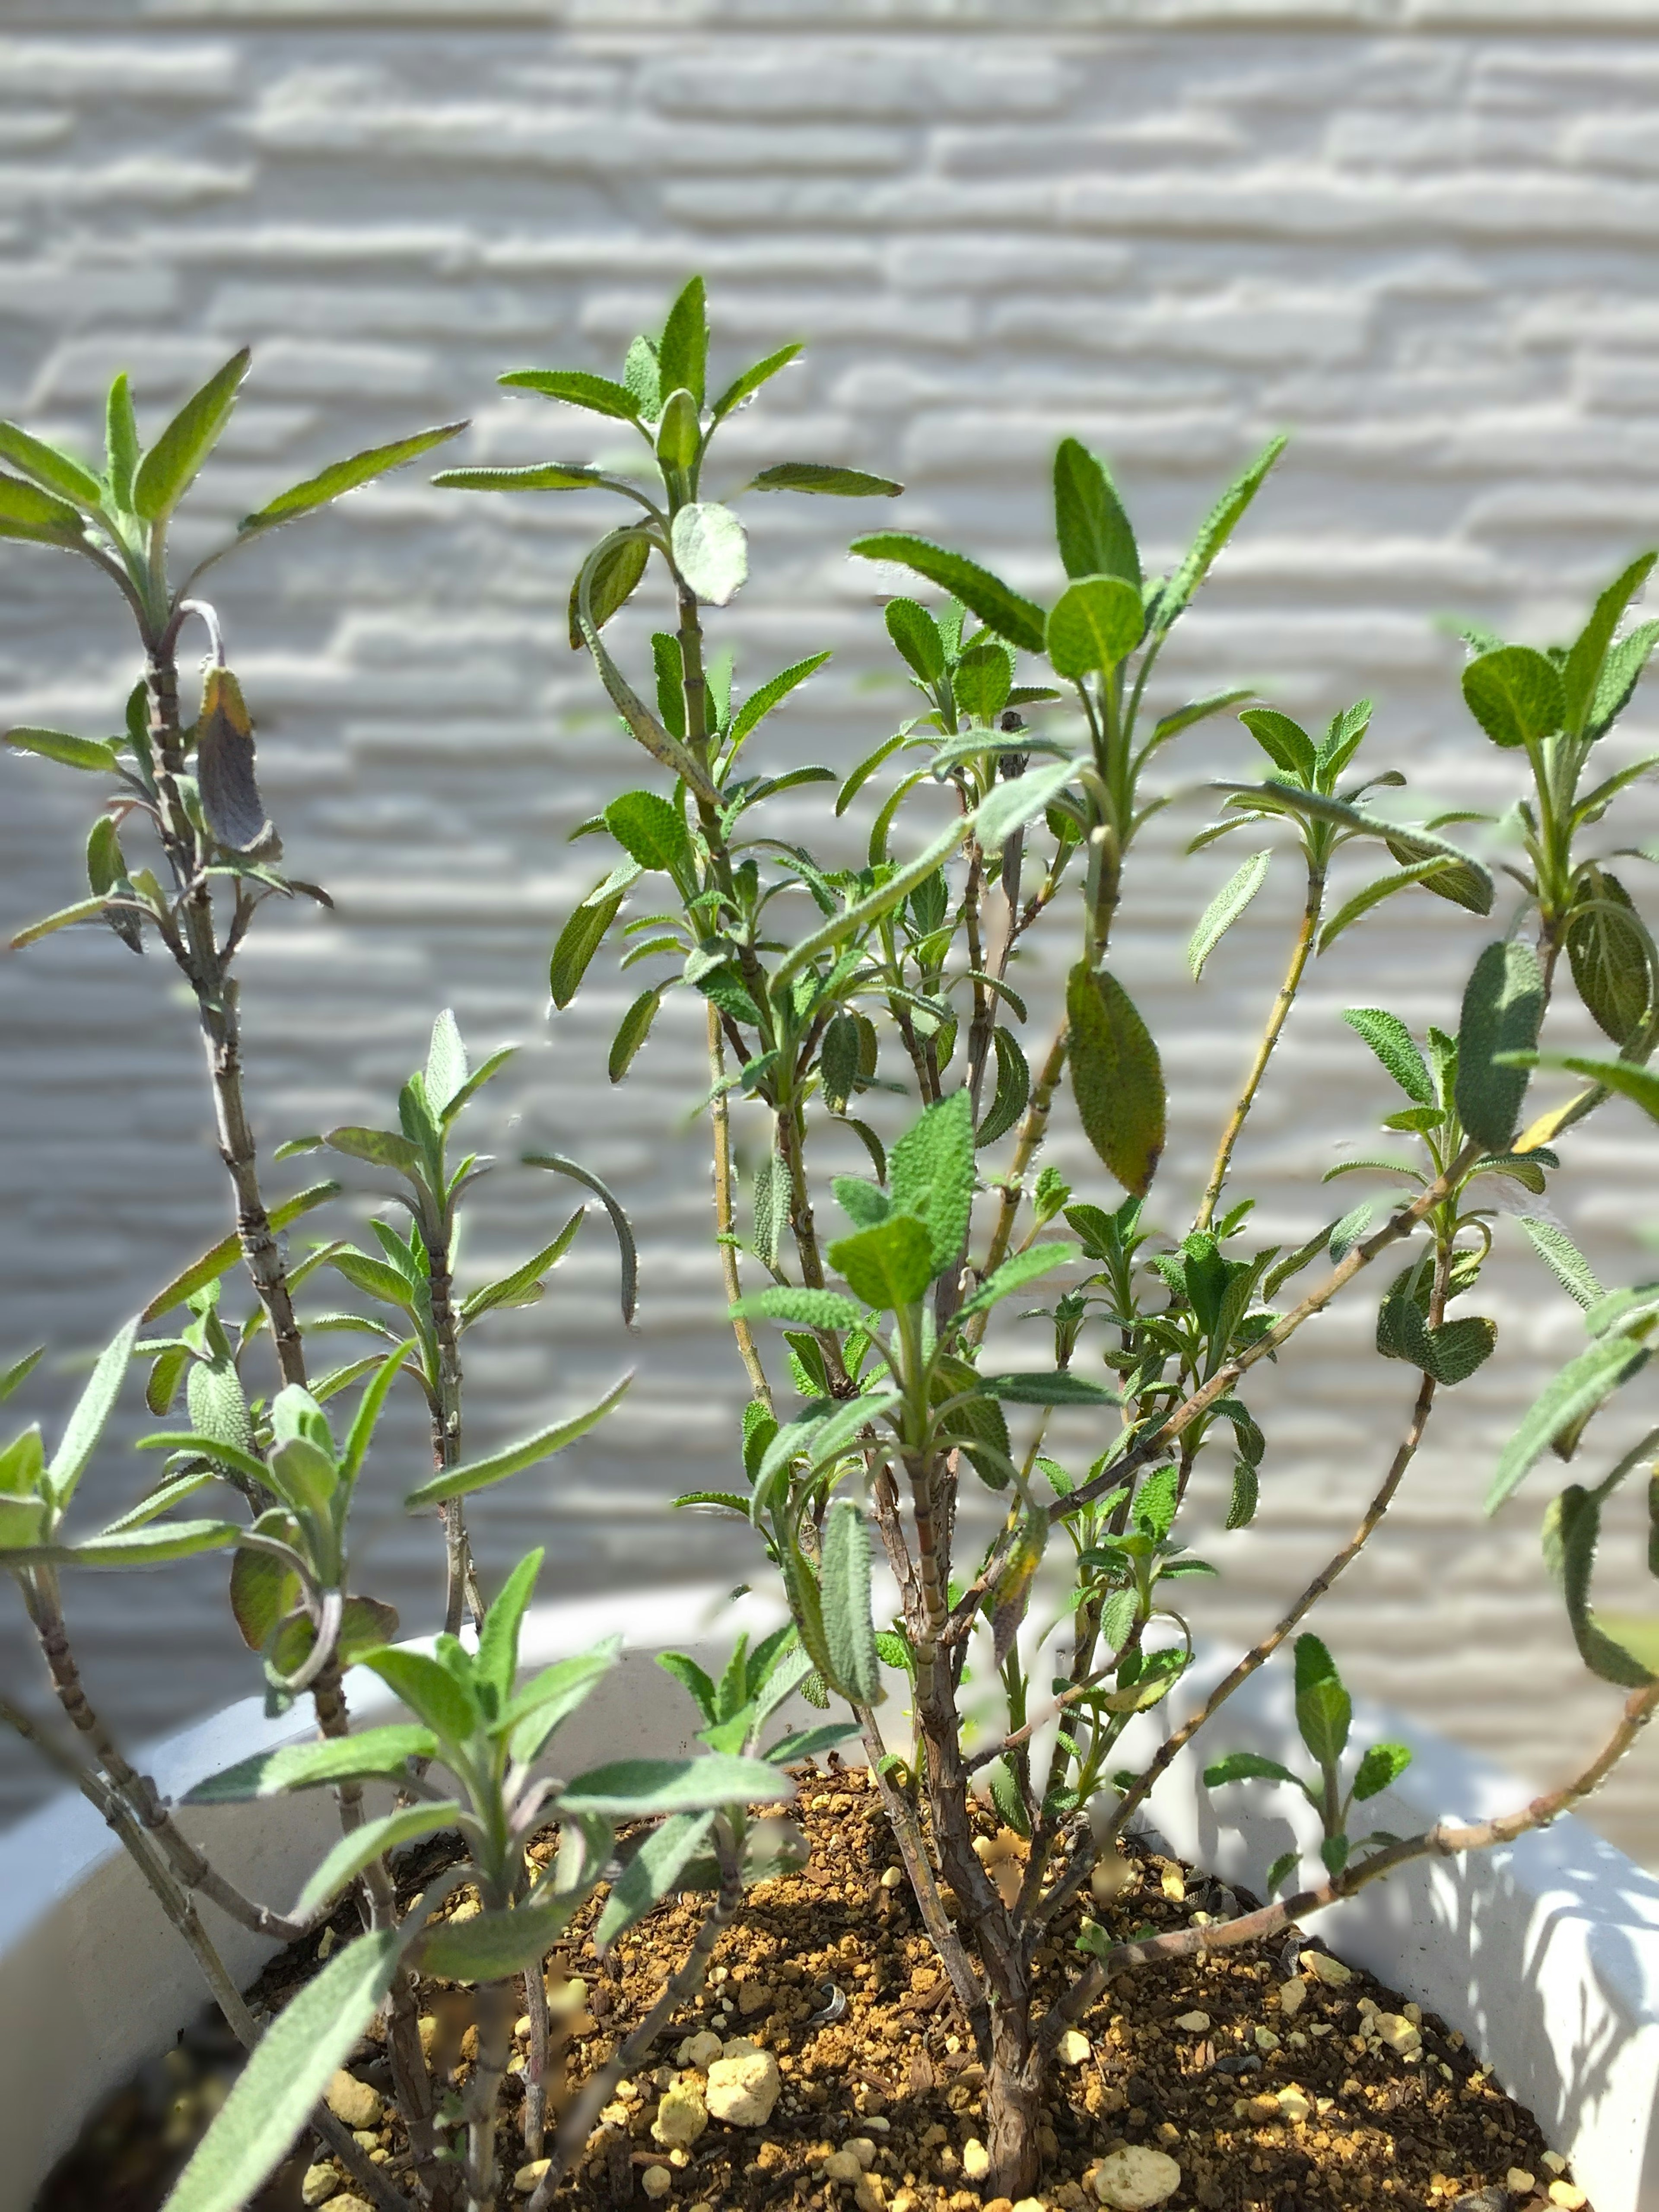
x=679, y=433
x=168, y=469
x=1640, y=1085
x=1225, y=909
x=1382, y=1764
x=613, y=571
x=1564, y=1403
x=649, y=829
x=1283, y=1865
x=540, y=476
x=997, y=607
x=577, y=943
x=820, y=476
x=1247, y=1492
x=153, y=1547
x=1324, y=1711
x=1090, y=528
x=375, y=1279
x=983, y=680
x=1514, y=694
x=652, y=1873
x=752, y=380
x=915, y=633
x=844, y=1584
x=711, y=551
x=353, y=1853
x=1570, y=1535
x=641, y=1788
x=1620, y=677
x=1457, y=1347
x=1580, y=676
x=1503, y=1007
x=28, y=512
x=342, y=477
x=1373, y=894
x=1013, y=1090
x=461, y=1481
x=1116, y=1077
x=1563, y=1258
x=761, y=702
x=121, y=448
x=58, y=745
x=1606, y=948
x=376, y=1753
x=682, y=354
x=1391, y=1041
x=1218, y=527
x=931, y=1174
x=631, y=1033
x=1018, y=799
x=631, y=1260
x=93, y=1408
x=864, y=911
x=1060, y=1388
x=806, y=1308
x=1027, y=1266
x=1095, y=623
x=888, y=1267
x=18, y=1373
x=578, y=387
x=1286, y=743
x=693, y=1680
x=280, y=2087
x=381, y=1148
x=56, y=471
x=492, y=1945
x=225, y=1254
x=432, y=1693
x=1247, y=1767
x=543, y=1704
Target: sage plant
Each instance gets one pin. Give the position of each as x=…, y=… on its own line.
x=1028, y=771
x=284, y=1478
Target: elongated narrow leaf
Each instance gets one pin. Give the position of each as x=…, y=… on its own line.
x=641, y=1789
x=1324, y=1711
x=380, y=1752
x=1393, y=1045
x=750, y=381
x=559, y=1165
x=1503, y=1007
x=225, y=1254
x=1116, y=1078
x=1091, y=526
x=864, y=911
x=547, y=1701
x=806, y=1308
x=610, y=577
x=632, y=1031
x=1225, y=909
x=577, y=387
x=280, y=2087
x=26, y=511
x=1564, y=1403
x=1606, y=948
x=56, y=471
x=93, y=1409
x=1247, y=1767
x=1013, y=1090
x=823, y=476
x=1563, y=1258
x=652, y=1873
x=683, y=354
x=364, y=1845
x=90, y=753
x=156, y=1545
x=1061, y=1388
x=1027, y=1266
x=168, y=469
x=1217, y=528
x=844, y=1585
x=760, y=704
x=1011, y=804
x=493, y=1945
x=461, y=1481
x=432, y=1693
x=82, y=910
x=12, y=1377
x=1373, y=894
x=1639, y=1084
x=538, y=476
x=997, y=605
x=342, y=477
x=1582, y=673
x=577, y=942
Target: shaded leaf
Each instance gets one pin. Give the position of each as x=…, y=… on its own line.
x=1116, y=1077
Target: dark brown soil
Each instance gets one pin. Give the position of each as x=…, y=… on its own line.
x=1275, y=2104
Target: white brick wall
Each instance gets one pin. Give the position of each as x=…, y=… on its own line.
x=1422, y=238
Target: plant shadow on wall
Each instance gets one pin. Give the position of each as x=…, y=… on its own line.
x=827, y=989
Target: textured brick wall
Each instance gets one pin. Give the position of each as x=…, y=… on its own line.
x=1421, y=239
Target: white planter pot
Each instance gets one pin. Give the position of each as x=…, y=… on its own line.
x=1546, y=1955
